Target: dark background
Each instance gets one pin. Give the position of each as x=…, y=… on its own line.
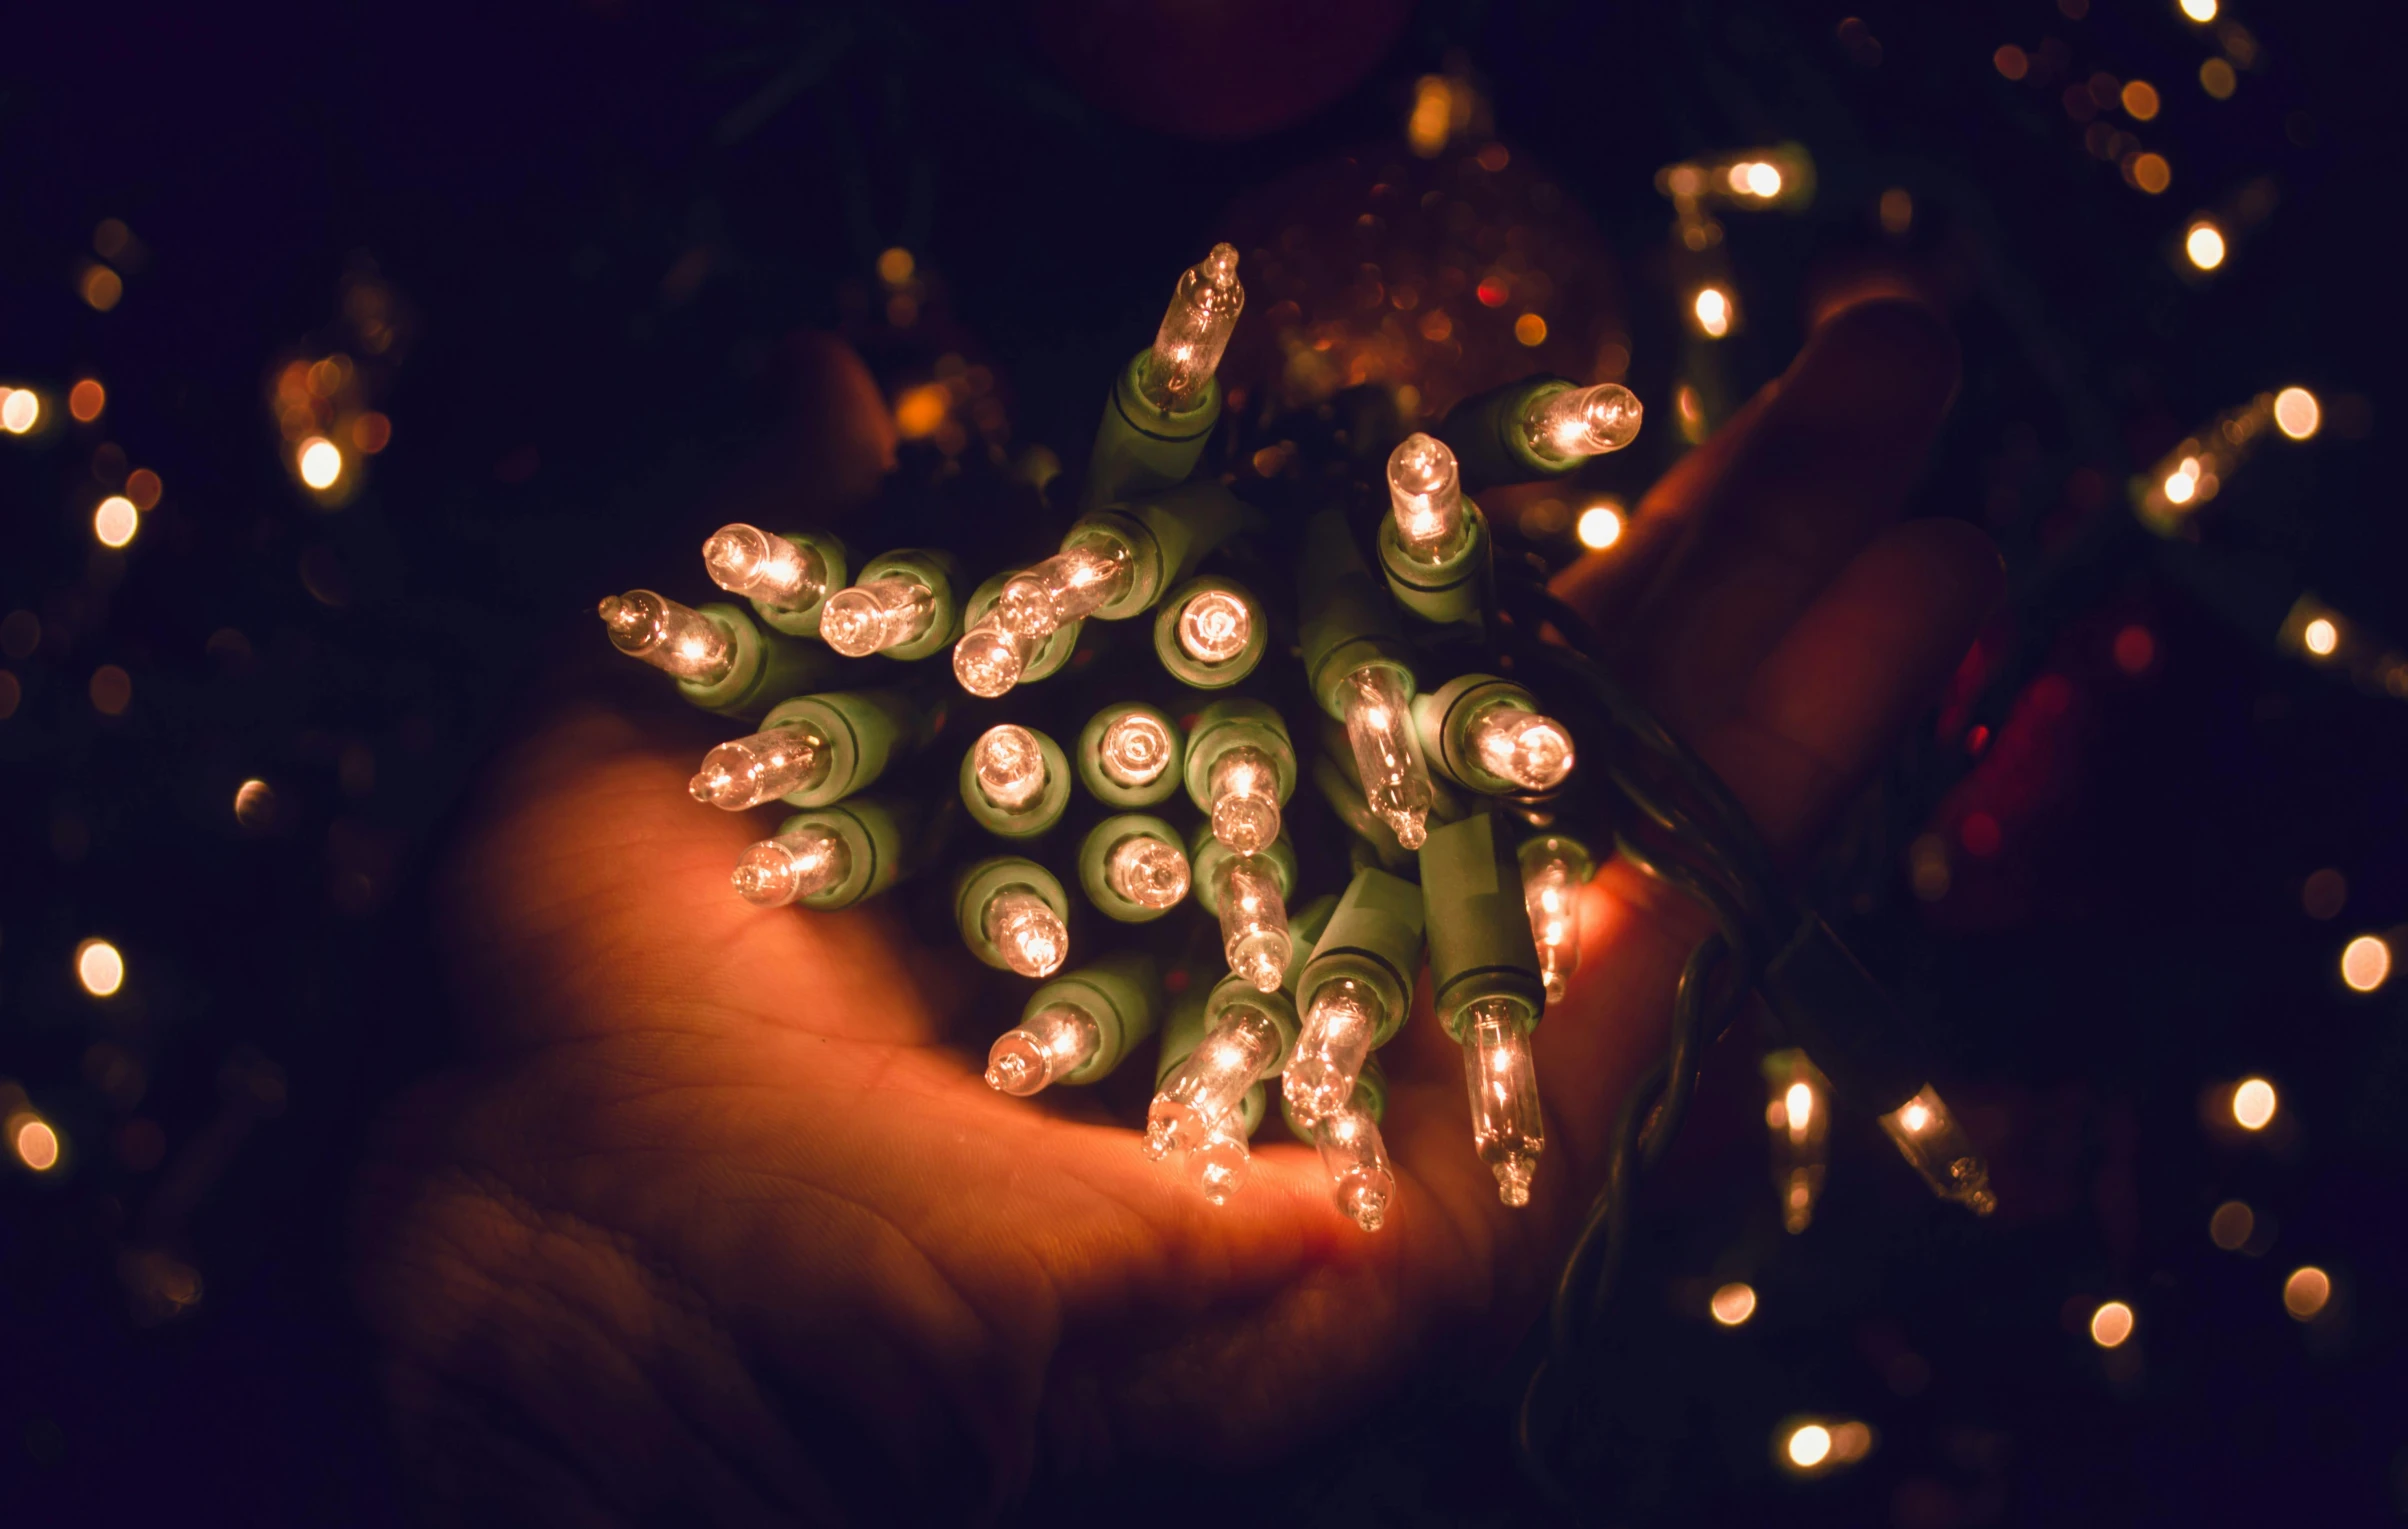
x=600, y=221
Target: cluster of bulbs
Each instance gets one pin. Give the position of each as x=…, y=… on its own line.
x=1450, y=776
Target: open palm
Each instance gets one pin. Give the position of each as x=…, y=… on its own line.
x=717, y=1220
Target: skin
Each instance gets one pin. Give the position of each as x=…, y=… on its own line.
x=715, y=1221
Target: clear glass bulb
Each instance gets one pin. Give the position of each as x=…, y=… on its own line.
x=746, y=560
x=1026, y=932
x=1215, y=626
x=1195, y=330
x=1254, y=922
x=1355, y=1157
x=745, y=772
x=1531, y=751
x=989, y=660
x=1930, y=1139
x=1798, y=1115
x=1578, y=423
x=1245, y=799
x=1057, y=1039
x=1425, y=492
x=1219, y=1163
x=1210, y=1082
x=1552, y=894
x=791, y=867
x=884, y=613
x=1331, y=1047
x=1147, y=871
x=1379, y=728
x=1072, y=585
x=675, y=639
x=1135, y=750
x=1497, y=1073
x=1009, y=765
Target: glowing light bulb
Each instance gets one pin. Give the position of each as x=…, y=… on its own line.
x=745, y=772
x=1531, y=751
x=1503, y=1086
x=2204, y=244
x=1215, y=626
x=1245, y=799
x=1220, y=1161
x=1396, y=783
x=1932, y=1142
x=1072, y=585
x=1254, y=922
x=2253, y=1104
x=1331, y=1048
x=1025, y=931
x=1355, y=1157
x=1135, y=750
x=1425, y=494
x=1147, y=871
x=1009, y=766
x=320, y=462
x=672, y=638
x=21, y=410
x=1575, y=424
x=1056, y=1040
x=2297, y=413
x=989, y=660
x=745, y=560
x=1798, y=1115
x=1551, y=894
x=1713, y=309
x=884, y=613
x=1210, y=1083
x=791, y=867
x=1195, y=330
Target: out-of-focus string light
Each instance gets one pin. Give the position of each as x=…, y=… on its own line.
x=1599, y=526
x=2231, y=1225
x=2111, y=1324
x=2203, y=245
x=1732, y=1304
x=86, y=399
x=2200, y=11
x=2365, y=963
x=1713, y=310
x=99, y=967
x=1798, y=1116
x=115, y=521
x=2218, y=79
x=320, y=462
x=2297, y=413
x=2253, y=1104
x=35, y=1142
x=20, y=410
x=1932, y=1142
x=2191, y=474
x=2306, y=1292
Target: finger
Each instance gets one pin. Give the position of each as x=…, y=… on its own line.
x=831, y=438
x=1803, y=478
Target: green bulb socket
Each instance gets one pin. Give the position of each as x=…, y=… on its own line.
x=980, y=882
x=1029, y=821
x=1574, y=853
x=1190, y=670
x=1440, y=593
x=942, y=577
x=1348, y=620
x=863, y=730
x=1490, y=441
x=1138, y=447
x=1051, y=654
x=1096, y=850
x=1373, y=938
x=1370, y=1096
x=1206, y=856
x=884, y=840
x=1122, y=993
x=1480, y=943
x=1091, y=759
x=769, y=666
x=1443, y=718
x=1182, y=1033
x=803, y=620
x=1237, y=722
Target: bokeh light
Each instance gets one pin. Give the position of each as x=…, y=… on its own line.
x=2324, y=894
x=2111, y=1324
x=36, y=1143
x=116, y=521
x=2230, y=1226
x=2320, y=637
x=86, y=399
x=2201, y=11
x=2253, y=1104
x=2151, y=173
x=101, y=287
x=2204, y=244
x=1599, y=527
x=1733, y=1304
x=20, y=410
x=255, y=804
x=1713, y=308
x=2217, y=78
x=321, y=462
x=2140, y=100
x=2306, y=1291
x=2297, y=413
x=2365, y=963
x=112, y=690
x=1809, y=1445
x=99, y=967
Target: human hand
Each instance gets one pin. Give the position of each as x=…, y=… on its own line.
x=718, y=1220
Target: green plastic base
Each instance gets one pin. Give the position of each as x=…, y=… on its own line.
x=1449, y=593
x=1122, y=993
x=1139, y=448
x=1094, y=850
x=803, y=620
x=1374, y=937
x=1039, y=815
x=865, y=731
x=769, y=667
x=1480, y=943
x=983, y=880
x=1091, y=762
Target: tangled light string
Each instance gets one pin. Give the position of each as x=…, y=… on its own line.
x=1450, y=785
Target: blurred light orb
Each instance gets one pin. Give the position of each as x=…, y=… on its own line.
x=2297, y=414
x=86, y=399
x=320, y=461
x=2201, y=11
x=37, y=1144
x=2111, y=1324
x=2320, y=637
x=99, y=967
x=2205, y=246
x=2230, y=1227
x=2253, y=1104
x=20, y=410
x=1733, y=1304
x=1713, y=308
x=2306, y=1291
x=116, y=521
x=1809, y=1446
x=2365, y=963
x=1599, y=527
x=255, y=804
